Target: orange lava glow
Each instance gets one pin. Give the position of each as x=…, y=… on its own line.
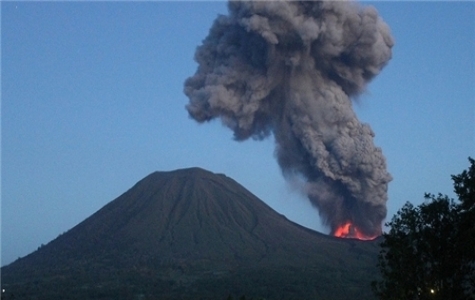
x=348, y=230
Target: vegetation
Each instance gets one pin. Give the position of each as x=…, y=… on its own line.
x=429, y=252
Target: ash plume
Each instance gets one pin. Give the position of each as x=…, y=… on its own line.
x=290, y=69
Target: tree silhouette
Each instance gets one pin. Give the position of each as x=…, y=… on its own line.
x=429, y=252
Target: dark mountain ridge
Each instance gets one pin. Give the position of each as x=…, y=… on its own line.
x=192, y=234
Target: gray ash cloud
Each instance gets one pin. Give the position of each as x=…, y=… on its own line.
x=290, y=69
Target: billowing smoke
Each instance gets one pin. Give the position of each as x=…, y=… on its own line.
x=290, y=69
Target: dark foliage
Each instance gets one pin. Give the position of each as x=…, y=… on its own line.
x=429, y=252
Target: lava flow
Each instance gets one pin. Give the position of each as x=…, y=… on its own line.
x=348, y=230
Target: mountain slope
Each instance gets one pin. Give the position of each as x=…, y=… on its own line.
x=192, y=234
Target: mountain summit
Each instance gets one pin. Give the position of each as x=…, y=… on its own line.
x=192, y=234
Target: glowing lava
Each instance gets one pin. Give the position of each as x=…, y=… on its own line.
x=348, y=230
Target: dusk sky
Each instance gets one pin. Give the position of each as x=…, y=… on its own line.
x=92, y=102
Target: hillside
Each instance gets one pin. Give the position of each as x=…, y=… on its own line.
x=192, y=234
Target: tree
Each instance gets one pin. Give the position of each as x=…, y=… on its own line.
x=429, y=251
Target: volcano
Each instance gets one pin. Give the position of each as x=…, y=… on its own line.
x=192, y=234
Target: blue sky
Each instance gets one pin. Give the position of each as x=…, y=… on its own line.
x=92, y=101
